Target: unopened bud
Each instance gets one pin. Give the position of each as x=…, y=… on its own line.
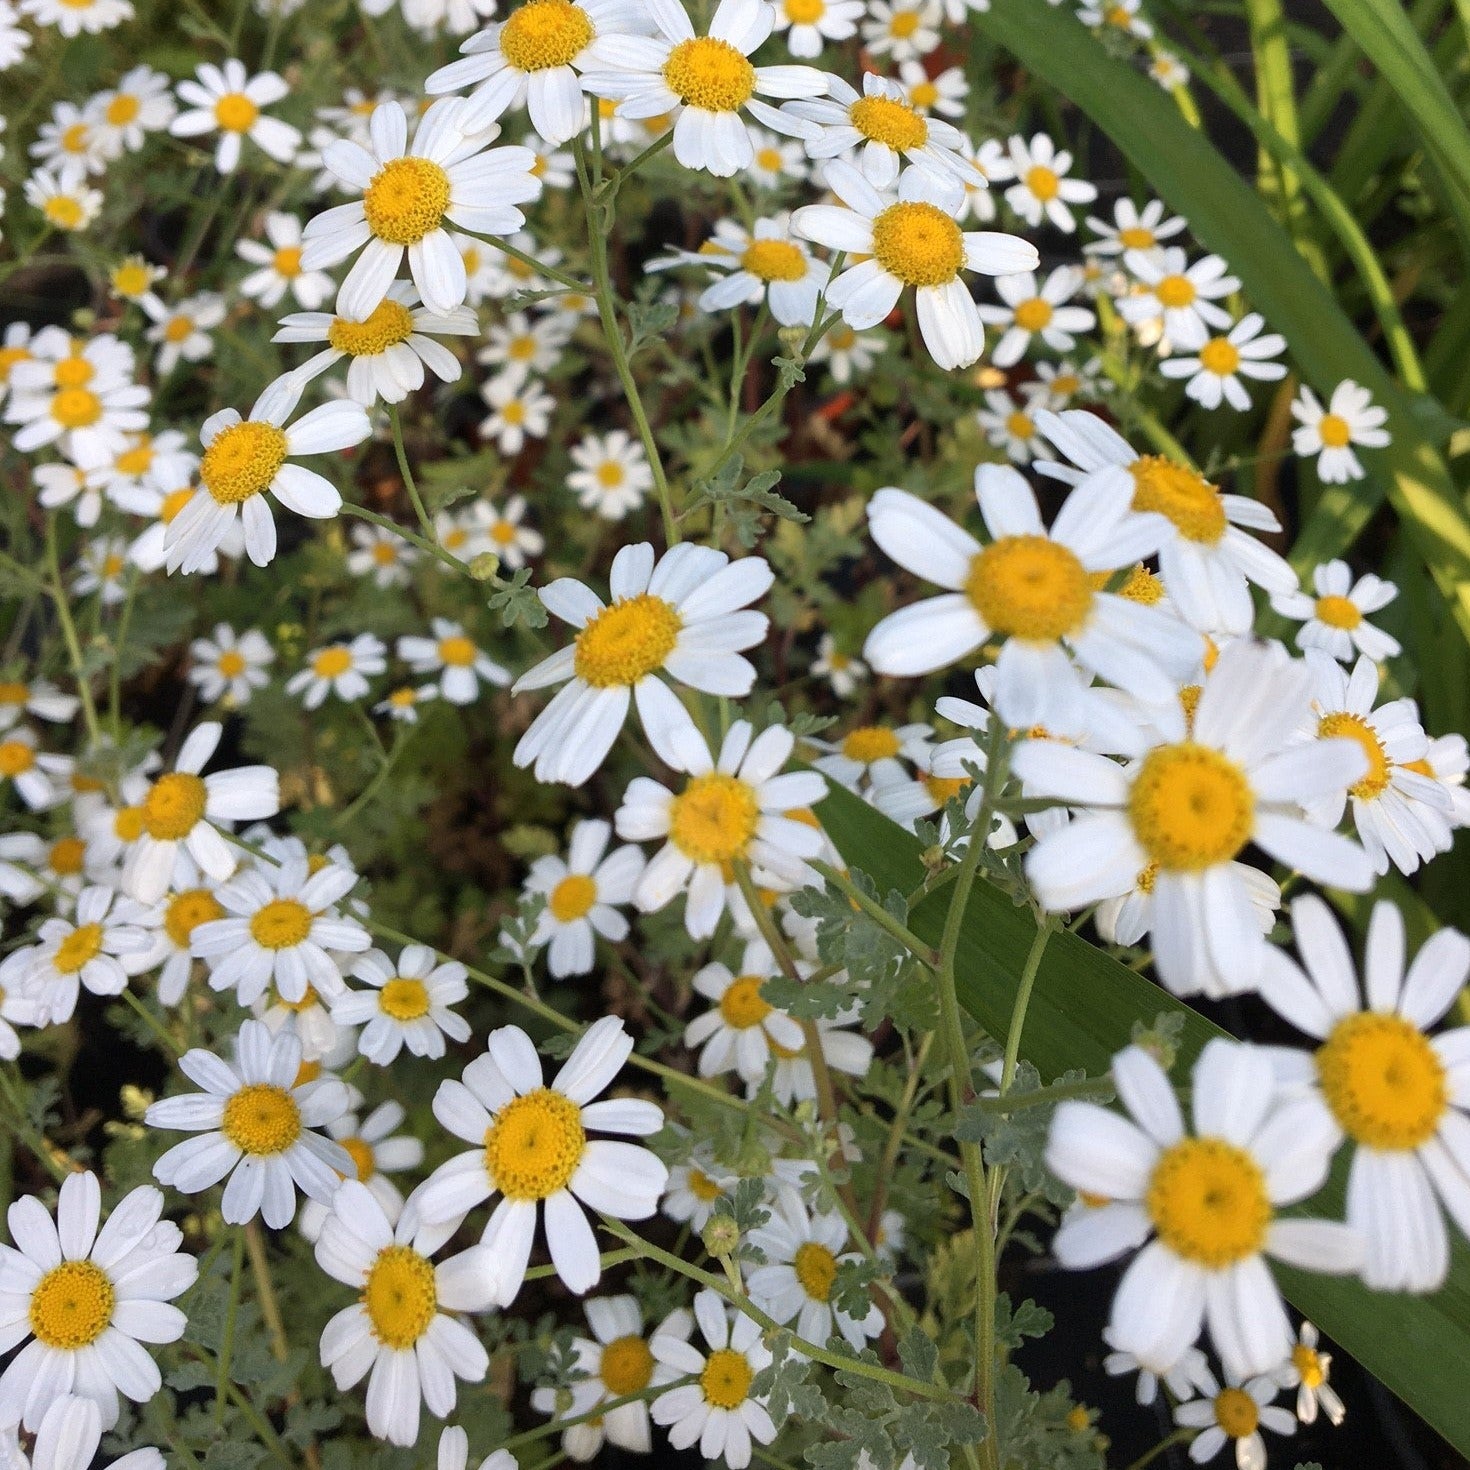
x=485, y=567
x=721, y=1235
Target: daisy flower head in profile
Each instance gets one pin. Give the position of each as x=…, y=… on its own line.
x=1032, y=310
x=454, y=1453
x=38, y=776
x=1238, y=1412
x=531, y=1148
x=1181, y=295
x=742, y=1030
x=904, y=29
x=1214, y=373
x=1206, y=1207
x=256, y=1126
x=1043, y=187
x=404, y=1328
x=705, y=82
x=342, y=669
x=382, y=555
x=734, y=807
x=911, y=240
x=408, y=191
x=843, y=671
x=717, y=1411
x=762, y=264
x=88, y=1300
x=694, y=1187
x=1035, y=588
x=1307, y=1371
x=811, y=24
x=1336, y=619
x=230, y=666
x=246, y=458
x=407, y=1004
x=94, y=950
x=1350, y=417
x=1132, y=228
x=1238, y=774
x=227, y=100
x=70, y=1434
x=612, y=475
x=64, y=199
x=39, y=698
x=511, y=539
x=456, y=661
x=583, y=892
x=685, y=615
x=1190, y=1375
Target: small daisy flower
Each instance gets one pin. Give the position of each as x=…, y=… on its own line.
x=150, y=550
x=510, y=539
x=763, y=264
x=144, y=462
x=342, y=669
x=278, y=266
x=693, y=1189
x=256, y=1127
x=133, y=278
x=531, y=1148
x=141, y=103
x=1336, y=619
x=72, y=141
x=407, y=1004
x=38, y=777
x=1010, y=426
x=810, y=24
x=102, y=564
x=1168, y=71
x=1041, y=311
x=88, y=1300
x=848, y=354
x=96, y=951
x=37, y=697
x=1179, y=294
x=1215, y=372
x=612, y=475
x=1351, y=417
x=1132, y=228
x=377, y=1150
x=520, y=409
x=382, y=555
x=229, y=101
x=904, y=30
x=944, y=92
x=181, y=332
x=1043, y=188
x=742, y=1031
x=455, y=659
x=1238, y=1411
x=583, y=894
x=777, y=161
x=1307, y=1371
x=72, y=19
x=14, y=40
x=1126, y=920
x=843, y=671
x=555, y=167
x=172, y=922
x=63, y=199
x=717, y=1410
x=462, y=533
x=407, y=192
x=230, y=666
x=88, y=423
x=522, y=346
x=1119, y=15
x=912, y=240
x=402, y=703
x=1188, y=1376
x=845, y=1050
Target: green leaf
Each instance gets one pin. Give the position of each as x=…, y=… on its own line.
x=1083, y=1010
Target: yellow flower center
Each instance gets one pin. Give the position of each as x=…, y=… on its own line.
x=1207, y=1200
x=127, y=824
x=242, y=460
x=514, y=412
x=1019, y=425
x=174, y=805
x=76, y=408
x=741, y=1006
x=889, y=121
x=64, y=211
x=261, y=1119
x=1043, y=182
x=1383, y=1081
x=75, y=138
x=404, y=998
x=112, y=565
x=67, y=856
x=1308, y=1364
x=1191, y=807
x=283, y=923
x=726, y=1378
x=186, y=911
x=572, y=897
x=904, y=24
x=710, y=74
x=774, y=260
x=361, y=1153
x=1236, y=1412
x=1335, y=430
x=626, y=642
x=16, y=757
x=1142, y=586
x=1033, y=315
x=400, y=1296
x=307, y=1072
x=14, y=695
x=1343, y=726
x=10, y=359
x=178, y=328
x=924, y=95
x=1338, y=612
x=533, y=1147
x=870, y=743
x=137, y=460
x=458, y=652
x=1175, y=292
x=390, y=323
x=235, y=113
x=406, y=200
x=702, y=1187
x=627, y=1366
x=333, y=662
x=72, y=1305
x=122, y=109
x=131, y=278
x=918, y=243
x=769, y=159
x=805, y=12
x=1029, y=587
x=545, y=33
x=1186, y=499
x=73, y=372
x=816, y=1270
x=79, y=948
x=173, y=503
x=231, y=663
x=287, y=261
x=610, y=474
x=1136, y=237
x=1219, y=356
x=714, y=818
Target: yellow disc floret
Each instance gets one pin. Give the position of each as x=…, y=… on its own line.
x=710, y=74
x=283, y=923
x=774, y=260
x=1236, y=1412
x=1186, y=499
x=1030, y=587
x=627, y=1366
x=1219, y=356
x=174, y=806
x=457, y=651
x=1338, y=612
x=1191, y=807
x=816, y=1270
x=626, y=642
x=714, y=818
x=1043, y=182
x=889, y=121
x=1175, y=292
x=869, y=743
x=242, y=460
x=404, y=998
x=742, y=1006
x=533, y=1147
x=572, y=897
x=400, y=1296
x=261, y=1119
x=1341, y=725
x=76, y=408
x=235, y=113
x=186, y=911
x=1383, y=1081
x=545, y=33
x=726, y=1378
x=78, y=949
x=406, y=200
x=1335, y=431
x=391, y=322
x=918, y=243
x=72, y=1305
x=1207, y=1200
x=1034, y=314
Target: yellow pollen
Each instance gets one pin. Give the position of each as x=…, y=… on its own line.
x=135, y=461
x=726, y=1378
x=1338, y=612
x=79, y=948
x=1308, y=1364
x=174, y=805
x=1335, y=431
x=130, y=279
x=16, y=757
x=774, y=260
x=242, y=460
x=64, y=211
x=714, y=818
x=521, y=349
x=941, y=788
x=1077, y=1420
x=186, y=911
x=1191, y=808
x=572, y=898
x=1383, y=1081
x=870, y=743
x=1136, y=237
x=805, y=12
x=514, y=412
x=14, y=694
x=406, y=200
x=1033, y=315
x=404, y=998
x=361, y=1154
x=173, y=503
x=627, y=1366
x=112, y=566
x=287, y=261
x=1120, y=16
x=1142, y=586
x=904, y=24
x=610, y=474
x=67, y=856
x=924, y=95
x=455, y=536
x=122, y=109
x=1344, y=726
x=178, y=328
x=918, y=243
x=261, y=1119
x=73, y=372
x=741, y=1006
x=307, y=1001
x=72, y=1305
x=888, y=121
x=1236, y=1412
x=503, y=532
x=235, y=113
x=1029, y=587
x=76, y=408
x=1186, y=499
x=307, y=1072
x=1019, y=425
x=1175, y=292
x=283, y=923
x=1144, y=883
x=1207, y=1200
x=702, y=1187
x=1219, y=356
x=400, y=1296
x=458, y=652
x=402, y=698
x=533, y=1147
x=10, y=359
x=626, y=642
x=390, y=323
x=231, y=663
x=1043, y=182
x=816, y=1270
x=127, y=824
x=333, y=662
x=545, y=33
x=769, y=159
x=75, y=138
x=709, y=74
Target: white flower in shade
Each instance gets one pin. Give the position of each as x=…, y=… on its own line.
x=520, y=409
x=1132, y=228
x=1168, y=71
x=912, y=240
x=810, y=24
x=278, y=266
x=256, y=1126
x=843, y=671
x=72, y=19
x=510, y=539
x=21, y=855
x=388, y=351
x=522, y=346
x=181, y=331
x=1239, y=1411
x=532, y=60
x=742, y=1031
x=847, y=353
x=14, y=40
x=1118, y=15
x=455, y=660
x=35, y=774
x=102, y=565
x=88, y=1300
x=72, y=142
x=1043, y=188
x=1239, y=775
x=794, y=1081
x=685, y=616
x=612, y=474
x=462, y=533
x=1215, y=372
x=1191, y=1374
x=704, y=82
x=230, y=666
x=65, y=200
x=182, y=807
x=382, y=555
x=1037, y=311
x=342, y=669
x=737, y=808
x=1448, y=761
x=1378, y=1080
x=1205, y=1206
x=400, y=1329
x=1351, y=417
x=408, y=191
x=407, y=1004
x=96, y=950
x=229, y=101
x=141, y=103
x=904, y=29
x=1181, y=295
x=868, y=755
x=1307, y=1371
x=717, y=1410
x=618, y=1363
x=172, y=922
x=37, y=697
x=1011, y=426
x=1209, y=561
x=60, y=485
x=803, y=1252
x=376, y=1153
x=943, y=92
x=531, y=1148
x=583, y=893
x=762, y=264
x=281, y=928
x=1336, y=619
x=70, y=1435
x=245, y=458
x=777, y=161
x=694, y=1187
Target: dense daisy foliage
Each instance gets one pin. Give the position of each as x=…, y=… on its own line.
x=730, y=731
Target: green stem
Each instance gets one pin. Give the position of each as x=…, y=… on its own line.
x=69, y=634
x=1044, y=932
x=1180, y=1436
x=114, y=677
x=425, y=524
x=427, y=546
x=922, y=952
x=365, y=796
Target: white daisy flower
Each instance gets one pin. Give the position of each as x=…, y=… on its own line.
x=150, y=550
x=377, y=1150
x=742, y=1030
x=612, y=475
x=88, y=422
x=102, y=564
x=1042, y=311
x=278, y=266
x=382, y=555
x=141, y=103
x=686, y=616
x=96, y=950
x=944, y=92
x=88, y=1300
x=531, y=1148
x=39, y=698
x=1043, y=188
x=1307, y=1371
x=1448, y=762
x=703, y=82
x=1168, y=71
x=848, y=354
x=1238, y=1411
x=1190, y=1375
x=583, y=893
x=172, y=922
x=14, y=40
x=229, y=101
x=1205, y=1207
x=36, y=775
x=408, y=191
x=72, y=141
x=904, y=29
x=256, y=1126
x=511, y=540
x=63, y=199
x=21, y=855
x=762, y=264
x=1215, y=372
x=1181, y=295
x=342, y=669
x=717, y=1410
x=1119, y=15
x=453, y=657
x=402, y=703
x=1336, y=619
x=463, y=533
x=1190, y=805
x=143, y=463
x=1010, y=426
x=60, y=485
x=407, y=1004
x=777, y=161
x=792, y=1078
x=1351, y=417
x=694, y=1187
x=810, y=24
x=74, y=17
x=868, y=755
x=133, y=278
x=843, y=671
x=1132, y=228
x=521, y=409
x=522, y=346
x=1126, y=920
x=181, y=331
x=230, y=667
x=555, y=167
